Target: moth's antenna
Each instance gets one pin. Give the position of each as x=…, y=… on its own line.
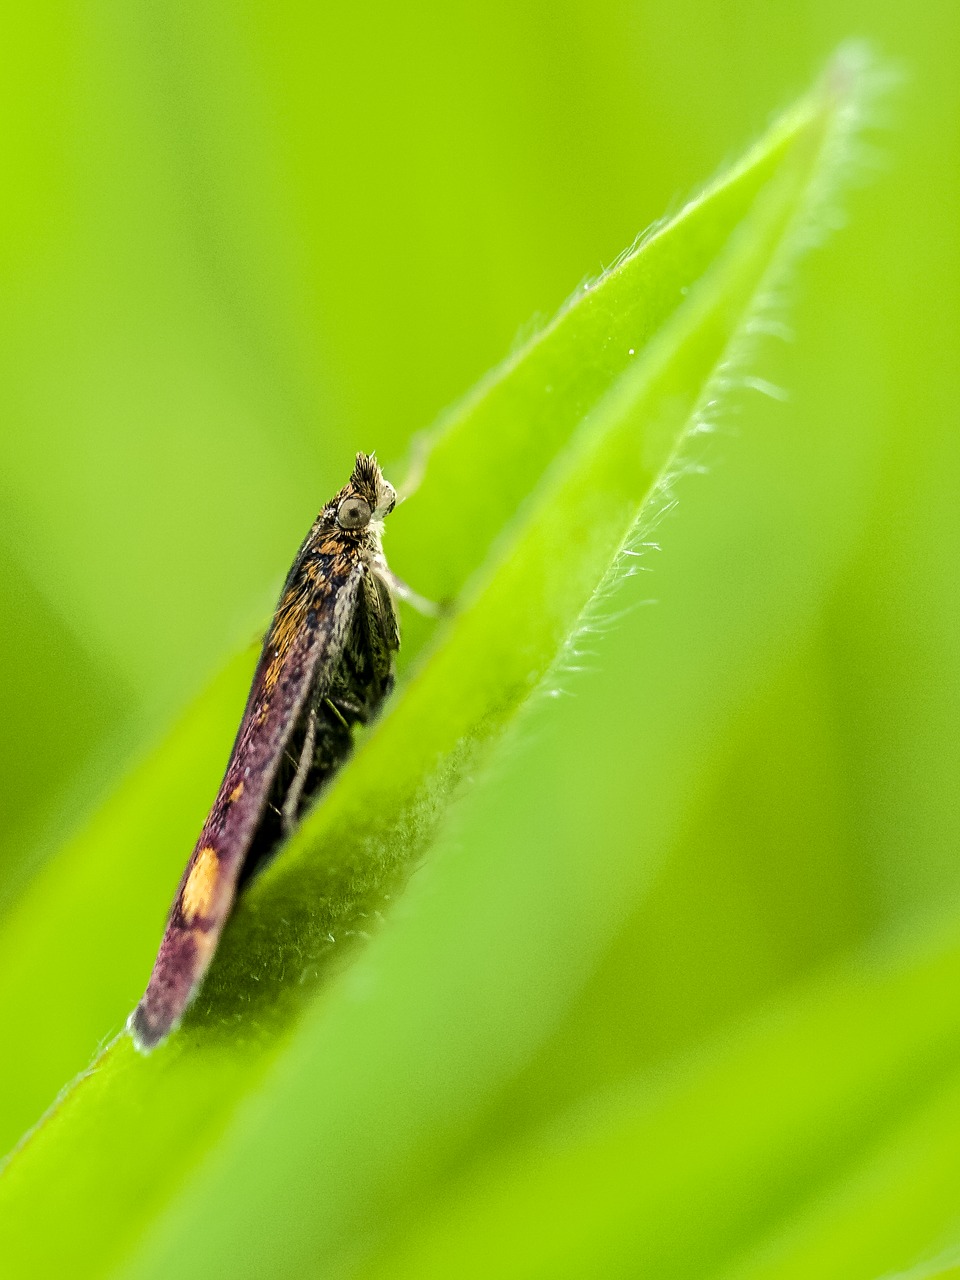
x=419, y=453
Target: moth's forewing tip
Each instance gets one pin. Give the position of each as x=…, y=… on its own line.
x=146, y=1035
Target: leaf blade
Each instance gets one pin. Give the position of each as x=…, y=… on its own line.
x=212, y=1064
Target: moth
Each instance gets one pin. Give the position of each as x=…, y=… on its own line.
x=326, y=666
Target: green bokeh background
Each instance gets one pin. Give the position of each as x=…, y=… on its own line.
x=240, y=241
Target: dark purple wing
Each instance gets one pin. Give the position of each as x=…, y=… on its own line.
x=299, y=654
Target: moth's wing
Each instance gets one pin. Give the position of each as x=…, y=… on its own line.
x=382, y=624
x=299, y=655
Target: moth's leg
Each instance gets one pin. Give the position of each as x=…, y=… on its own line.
x=343, y=707
x=294, y=792
x=399, y=588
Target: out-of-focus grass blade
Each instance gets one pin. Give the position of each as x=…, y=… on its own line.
x=897, y=1201
x=119, y=1144
x=849, y=1098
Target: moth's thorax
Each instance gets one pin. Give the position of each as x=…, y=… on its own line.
x=329, y=539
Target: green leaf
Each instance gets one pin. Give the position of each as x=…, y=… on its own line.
x=844, y=1107
x=530, y=491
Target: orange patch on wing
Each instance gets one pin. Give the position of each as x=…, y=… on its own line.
x=236, y=793
x=286, y=627
x=197, y=895
x=205, y=945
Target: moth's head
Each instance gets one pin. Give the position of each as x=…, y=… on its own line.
x=366, y=498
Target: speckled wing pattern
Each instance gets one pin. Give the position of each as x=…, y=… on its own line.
x=326, y=665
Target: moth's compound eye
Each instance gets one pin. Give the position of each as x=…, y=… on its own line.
x=353, y=513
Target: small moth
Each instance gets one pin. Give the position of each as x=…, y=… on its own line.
x=326, y=665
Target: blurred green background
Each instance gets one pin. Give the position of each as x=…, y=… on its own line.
x=239, y=241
